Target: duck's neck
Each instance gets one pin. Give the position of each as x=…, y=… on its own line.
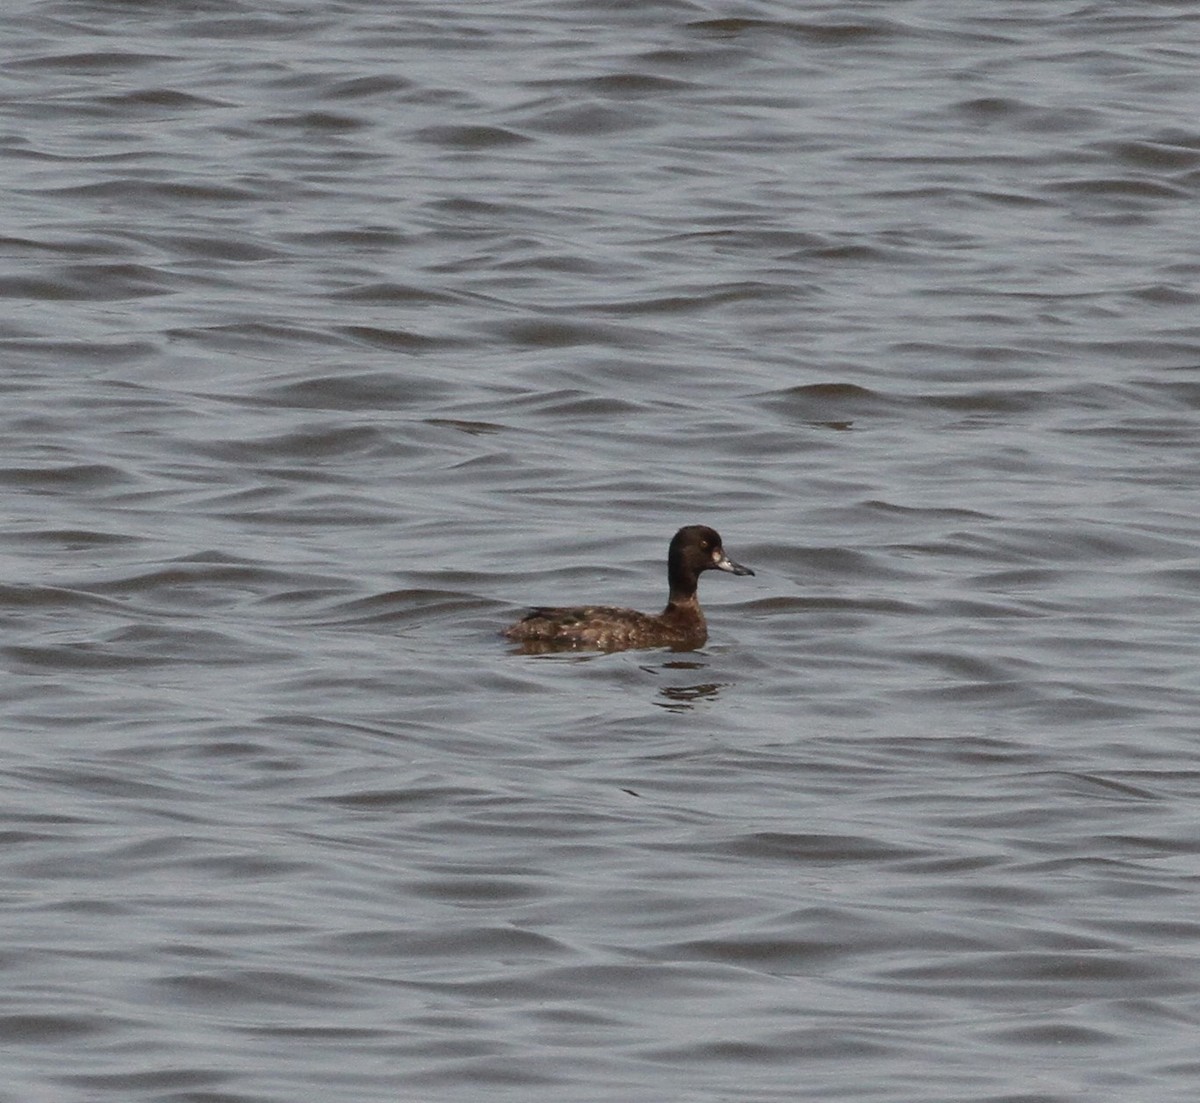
x=681, y=601
x=683, y=586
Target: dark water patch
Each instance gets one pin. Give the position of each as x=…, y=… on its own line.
x=133, y=190
x=620, y=979
x=174, y=1080
x=471, y=428
x=477, y=891
x=378, y=84
x=1154, y=155
x=810, y=848
x=471, y=138
x=352, y=391
x=815, y=33
x=67, y=245
x=466, y=217
x=64, y=478
x=587, y=119
x=780, y=1048
x=420, y=799
x=776, y=241
x=315, y=122
x=558, y=334
x=97, y=781
x=542, y=261
x=629, y=85
x=779, y=957
x=320, y=239
x=240, y=867
x=69, y=539
x=403, y=294
x=492, y=943
x=1165, y=295
x=227, y=988
x=1177, y=393
x=988, y=108
x=170, y=99
x=682, y=304
x=90, y=283
x=398, y=340
x=487, y=1072
x=27, y=1029
x=1078, y=704
x=1054, y=1033
x=1157, y=433
x=1118, y=187
x=831, y=403
x=256, y=336
x=570, y=404
x=1005, y=198
x=1028, y=115
x=852, y=252
x=104, y=61
x=1039, y=975
x=1110, y=788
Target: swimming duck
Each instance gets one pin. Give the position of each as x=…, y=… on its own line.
x=680, y=626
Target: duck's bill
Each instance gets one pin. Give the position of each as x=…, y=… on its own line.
x=727, y=564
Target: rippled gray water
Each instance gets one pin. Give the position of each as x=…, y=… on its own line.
x=335, y=334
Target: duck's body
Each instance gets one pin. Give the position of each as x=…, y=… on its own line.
x=680, y=626
x=608, y=628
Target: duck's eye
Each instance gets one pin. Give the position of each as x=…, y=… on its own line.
x=704, y=545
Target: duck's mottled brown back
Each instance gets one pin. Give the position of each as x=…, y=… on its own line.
x=681, y=625
x=606, y=628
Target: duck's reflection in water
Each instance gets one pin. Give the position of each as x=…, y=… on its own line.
x=681, y=698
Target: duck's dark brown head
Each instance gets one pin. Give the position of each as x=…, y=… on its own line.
x=696, y=548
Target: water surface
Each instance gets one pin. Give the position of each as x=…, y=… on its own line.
x=338, y=334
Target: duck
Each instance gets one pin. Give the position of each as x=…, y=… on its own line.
x=680, y=626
